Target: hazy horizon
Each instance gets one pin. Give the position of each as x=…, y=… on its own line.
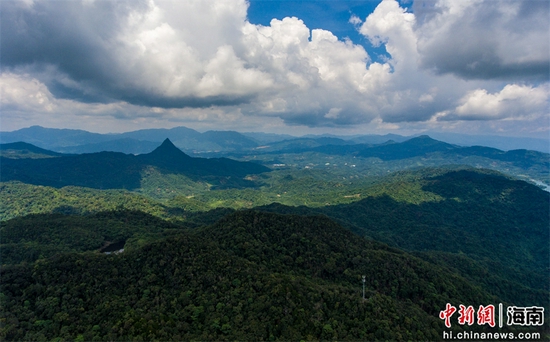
x=505, y=143
x=293, y=134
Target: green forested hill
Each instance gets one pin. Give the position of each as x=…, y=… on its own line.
x=19, y=199
x=251, y=276
x=40, y=236
x=469, y=208
x=489, y=228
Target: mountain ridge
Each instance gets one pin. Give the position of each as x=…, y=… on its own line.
x=115, y=170
x=24, y=148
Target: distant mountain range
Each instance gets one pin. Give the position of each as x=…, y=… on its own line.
x=136, y=142
x=424, y=146
x=28, y=163
x=191, y=141
x=115, y=170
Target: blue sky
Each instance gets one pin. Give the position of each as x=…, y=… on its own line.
x=329, y=15
x=343, y=67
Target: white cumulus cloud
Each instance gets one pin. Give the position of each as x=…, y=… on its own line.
x=513, y=101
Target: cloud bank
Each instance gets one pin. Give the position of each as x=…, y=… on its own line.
x=473, y=39
x=185, y=61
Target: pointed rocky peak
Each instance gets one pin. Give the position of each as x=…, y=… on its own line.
x=168, y=150
x=167, y=144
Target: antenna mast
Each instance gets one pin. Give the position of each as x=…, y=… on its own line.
x=364, y=280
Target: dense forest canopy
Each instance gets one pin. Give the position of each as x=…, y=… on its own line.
x=252, y=276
